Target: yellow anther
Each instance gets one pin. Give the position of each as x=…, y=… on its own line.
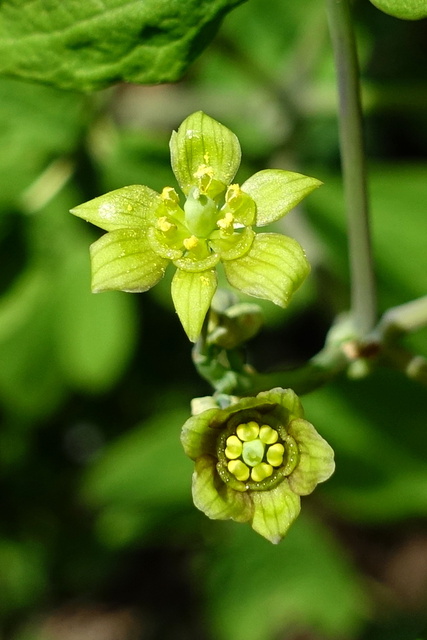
x=206, y=157
x=275, y=454
x=261, y=471
x=164, y=225
x=190, y=243
x=247, y=432
x=233, y=191
x=234, y=447
x=226, y=222
x=204, y=170
x=239, y=470
x=170, y=194
x=268, y=435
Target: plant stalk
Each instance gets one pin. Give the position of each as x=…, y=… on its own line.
x=363, y=286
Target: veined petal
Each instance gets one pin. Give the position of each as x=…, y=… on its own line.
x=192, y=294
x=123, y=260
x=202, y=141
x=287, y=399
x=274, y=511
x=125, y=208
x=274, y=268
x=276, y=192
x=197, y=437
x=214, y=498
x=316, y=458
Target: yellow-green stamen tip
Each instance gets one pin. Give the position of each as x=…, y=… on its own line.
x=261, y=472
x=268, y=435
x=238, y=469
x=247, y=432
x=169, y=193
x=275, y=454
x=253, y=452
x=164, y=225
x=226, y=222
x=190, y=243
x=234, y=448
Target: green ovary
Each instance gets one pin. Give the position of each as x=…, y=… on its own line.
x=254, y=452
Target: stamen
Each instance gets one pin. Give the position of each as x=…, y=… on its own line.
x=164, y=225
x=238, y=469
x=234, y=447
x=275, y=454
x=268, y=435
x=170, y=194
x=261, y=472
x=248, y=431
x=226, y=222
x=190, y=243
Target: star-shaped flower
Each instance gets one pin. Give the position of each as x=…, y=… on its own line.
x=254, y=459
x=148, y=230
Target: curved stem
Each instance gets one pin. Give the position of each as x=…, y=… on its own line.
x=363, y=288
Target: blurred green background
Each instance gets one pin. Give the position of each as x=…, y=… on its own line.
x=99, y=539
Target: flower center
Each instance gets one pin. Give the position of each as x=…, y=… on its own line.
x=253, y=452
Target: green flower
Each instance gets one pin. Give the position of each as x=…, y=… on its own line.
x=254, y=459
x=148, y=230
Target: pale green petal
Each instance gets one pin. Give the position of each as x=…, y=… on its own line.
x=197, y=437
x=125, y=208
x=316, y=463
x=274, y=268
x=276, y=192
x=274, y=511
x=123, y=260
x=215, y=498
x=201, y=140
x=287, y=399
x=192, y=294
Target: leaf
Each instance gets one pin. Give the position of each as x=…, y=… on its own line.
x=201, y=140
x=276, y=192
x=192, y=294
x=89, y=45
x=123, y=260
x=294, y=585
x=274, y=268
x=405, y=9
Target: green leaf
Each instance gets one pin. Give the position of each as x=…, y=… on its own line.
x=405, y=9
x=94, y=335
x=215, y=498
x=192, y=294
x=201, y=140
x=123, y=260
x=125, y=208
x=274, y=511
x=89, y=45
x=316, y=458
x=276, y=192
x=274, y=268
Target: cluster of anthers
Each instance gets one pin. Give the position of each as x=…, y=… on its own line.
x=254, y=455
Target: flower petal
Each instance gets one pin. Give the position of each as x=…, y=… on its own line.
x=123, y=260
x=274, y=511
x=214, y=498
x=316, y=462
x=192, y=294
x=197, y=437
x=125, y=208
x=287, y=399
x=274, y=268
x=276, y=192
x=202, y=141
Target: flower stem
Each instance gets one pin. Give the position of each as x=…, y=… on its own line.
x=363, y=287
